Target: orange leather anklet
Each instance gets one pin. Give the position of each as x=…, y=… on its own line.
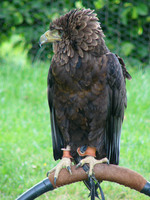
x=66, y=153
x=90, y=151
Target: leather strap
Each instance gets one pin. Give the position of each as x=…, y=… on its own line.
x=90, y=151
x=66, y=153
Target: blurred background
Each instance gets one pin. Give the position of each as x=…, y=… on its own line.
x=25, y=141
x=126, y=24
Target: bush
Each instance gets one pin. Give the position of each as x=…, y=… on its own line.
x=126, y=24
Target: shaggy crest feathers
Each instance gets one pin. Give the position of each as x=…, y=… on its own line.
x=80, y=32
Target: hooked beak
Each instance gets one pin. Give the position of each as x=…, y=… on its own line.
x=49, y=36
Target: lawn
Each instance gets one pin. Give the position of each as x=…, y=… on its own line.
x=25, y=141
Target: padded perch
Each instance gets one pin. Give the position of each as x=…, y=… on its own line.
x=104, y=172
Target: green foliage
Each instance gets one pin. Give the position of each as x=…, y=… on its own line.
x=29, y=18
x=26, y=146
x=126, y=26
x=9, y=51
x=127, y=48
x=125, y=23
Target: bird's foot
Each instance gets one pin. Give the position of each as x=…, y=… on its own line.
x=64, y=163
x=92, y=162
x=94, y=183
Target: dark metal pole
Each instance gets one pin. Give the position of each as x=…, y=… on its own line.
x=146, y=189
x=37, y=190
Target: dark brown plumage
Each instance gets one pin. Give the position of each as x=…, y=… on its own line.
x=86, y=88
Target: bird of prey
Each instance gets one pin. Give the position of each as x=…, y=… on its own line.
x=86, y=92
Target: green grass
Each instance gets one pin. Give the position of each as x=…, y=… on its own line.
x=25, y=141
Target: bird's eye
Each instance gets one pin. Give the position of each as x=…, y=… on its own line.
x=52, y=28
x=77, y=27
x=60, y=32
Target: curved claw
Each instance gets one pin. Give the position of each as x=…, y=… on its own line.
x=47, y=174
x=55, y=179
x=69, y=170
x=78, y=165
x=50, y=171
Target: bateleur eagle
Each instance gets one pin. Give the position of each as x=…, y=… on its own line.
x=86, y=92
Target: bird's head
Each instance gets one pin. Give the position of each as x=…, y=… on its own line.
x=78, y=29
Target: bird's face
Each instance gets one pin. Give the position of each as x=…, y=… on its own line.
x=50, y=36
x=78, y=29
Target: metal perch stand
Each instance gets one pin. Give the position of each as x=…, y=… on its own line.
x=113, y=173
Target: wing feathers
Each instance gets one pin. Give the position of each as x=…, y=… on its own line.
x=116, y=106
x=57, y=138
